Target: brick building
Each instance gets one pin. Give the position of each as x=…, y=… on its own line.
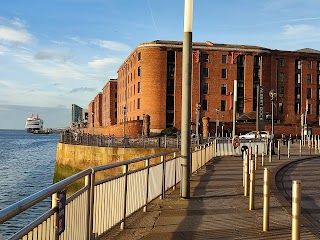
x=109, y=103
x=149, y=82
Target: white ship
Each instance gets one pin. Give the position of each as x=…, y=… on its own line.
x=34, y=123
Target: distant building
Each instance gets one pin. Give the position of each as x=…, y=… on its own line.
x=150, y=82
x=76, y=113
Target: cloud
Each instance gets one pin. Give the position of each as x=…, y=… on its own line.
x=83, y=89
x=114, y=46
x=299, y=30
x=77, y=40
x=14, y=35
x=101, y=63
x=49, y=54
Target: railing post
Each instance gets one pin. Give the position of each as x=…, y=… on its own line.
x=124, y=216
x=296, y=210
x=147, y=163
x=252, y=185
x=175, y=170
x=266, y=199
x=55, y=204
x=91, y=205
x=163, y=161
x=279, y=149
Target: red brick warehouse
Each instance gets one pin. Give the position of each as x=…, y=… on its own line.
x=149, y=82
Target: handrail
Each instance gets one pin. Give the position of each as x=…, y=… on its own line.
x=26, y=203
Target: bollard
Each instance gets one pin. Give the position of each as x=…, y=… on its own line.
x=300, y=150
x=270, y=152
x=246, y=177
x=244, y=156
x=296, y=210
x=289, y=149
x=262, y=159
x=266, y=200
x=252, y=185
x=256, y=158
x=278, y=149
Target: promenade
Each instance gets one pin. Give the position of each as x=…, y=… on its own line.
x=218, y=209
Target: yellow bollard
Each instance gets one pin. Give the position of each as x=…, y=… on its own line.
x=288, y=149
x=266, y=199
x=252, y=185
x=300, y=150
x=296, y=210
x=262, y=159
x=246, y=178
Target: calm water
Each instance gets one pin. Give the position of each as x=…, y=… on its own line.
x=26, y=166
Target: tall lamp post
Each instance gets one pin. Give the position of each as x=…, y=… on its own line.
x=198, y=107
x=222, y=125
x=272, y=95
x=124, y=124
x=92, y=115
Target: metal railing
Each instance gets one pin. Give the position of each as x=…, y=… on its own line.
x=103, y=203
x=112, y=141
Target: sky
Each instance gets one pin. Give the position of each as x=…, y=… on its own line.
x=59, y=52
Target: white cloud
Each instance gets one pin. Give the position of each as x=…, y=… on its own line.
x=14, y=35
x=102, y=63
x=60, y=54
x=299, y=30
x=114, y=46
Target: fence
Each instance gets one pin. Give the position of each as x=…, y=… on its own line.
x=103, y=204
x=112, y=141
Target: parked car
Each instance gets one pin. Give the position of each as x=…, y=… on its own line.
x=255, y=134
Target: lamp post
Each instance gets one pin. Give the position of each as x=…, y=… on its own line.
x=272, y=95
x=92, y=115
x=124, y=123
x=142, y=132
x=198, y=107
x=217, y=121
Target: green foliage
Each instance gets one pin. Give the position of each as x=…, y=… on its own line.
x=169, y=131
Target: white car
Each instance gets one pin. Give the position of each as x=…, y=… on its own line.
x=254, y=134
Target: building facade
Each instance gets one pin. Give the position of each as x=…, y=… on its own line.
x=150, y=83
x=109, y=103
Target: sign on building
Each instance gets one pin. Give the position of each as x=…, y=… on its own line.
x=260, y=110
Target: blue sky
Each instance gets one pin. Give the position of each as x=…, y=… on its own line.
x=58, y=52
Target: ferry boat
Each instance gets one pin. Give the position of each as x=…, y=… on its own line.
x=34, y=123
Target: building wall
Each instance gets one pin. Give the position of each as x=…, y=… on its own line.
x=148, y=93
x=91, y=109
x=109, y=103
x=98, y=110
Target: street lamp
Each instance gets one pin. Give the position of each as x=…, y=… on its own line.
x=198, y=107
x=217, y=121
x=124, y=121
x=92, y=123
x=272, y=95
x=142, y=133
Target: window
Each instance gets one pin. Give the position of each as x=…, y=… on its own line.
x=115, y=114
x=308, y=93
x=298, y=78
x=281, y=77
x=256, y=61
x=171, y=56
x=309, y=109
x=318, y=94
x=297, y=92
x=205, y=88
x=281, y=92
x=223, y=105
x=170, y=70
x=205, y=72
x=309, y=64
x=223, y=89
x=318, y=109
x=115, y=104
x=139, y=56
x=138, y=103
x=224, y=59
x=115, y=95
x=224, y=73
x=205, y=57
x=281, y=62
x=205, y=105
x=309, y=78
x=298, y=64
x=280, y=107
x=297, y=108
x=318, y=79
x=139, y=87
x=318, y=65
x=139, y=71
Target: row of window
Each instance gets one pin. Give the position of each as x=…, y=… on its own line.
x=205, y=72
x=205, y=58
x=131, y=92
x=223, y=105
x=132, y=106
x=309, y=78
x=308, y=64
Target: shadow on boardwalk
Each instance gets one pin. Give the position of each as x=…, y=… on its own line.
x=216, y=209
